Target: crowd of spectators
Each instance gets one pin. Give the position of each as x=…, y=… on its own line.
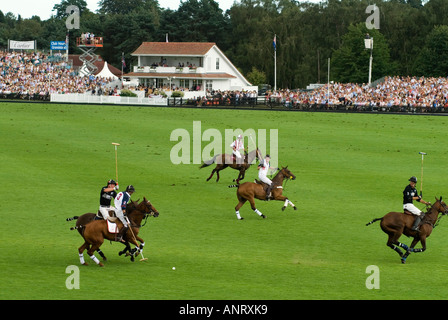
x=392, y=92
x=36, y=73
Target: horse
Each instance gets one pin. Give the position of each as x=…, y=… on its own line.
x=248, y=191
x=394, y=224
x=227, y=160
x=82, y=220
x=95, y=232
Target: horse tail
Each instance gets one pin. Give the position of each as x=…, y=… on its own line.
x=209, y=162
x=72, y=218
x=234, y=186
x=77, y=227
x=374, y=220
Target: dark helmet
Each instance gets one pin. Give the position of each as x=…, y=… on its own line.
x=111, y=181
x=413, y=179
x=130, y=188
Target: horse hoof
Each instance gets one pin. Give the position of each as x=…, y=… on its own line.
x=263, y=216
x=283, y=208
x=85, y=264
x=295, y=208
x=101, y=264
x=403, y=261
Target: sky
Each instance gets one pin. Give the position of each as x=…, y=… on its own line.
x=42, y=8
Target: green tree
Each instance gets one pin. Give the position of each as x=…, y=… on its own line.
x=350, y=63
x=256, y=77
x=62, y=7
x=433, y=60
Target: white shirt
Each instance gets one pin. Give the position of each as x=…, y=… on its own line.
x=238, y=144
x=264, y=168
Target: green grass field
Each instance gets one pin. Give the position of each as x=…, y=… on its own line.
x=350, y=169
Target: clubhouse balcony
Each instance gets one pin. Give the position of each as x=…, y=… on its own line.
x=166, y=70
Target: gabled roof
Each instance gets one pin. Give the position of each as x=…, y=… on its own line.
x=173, y=48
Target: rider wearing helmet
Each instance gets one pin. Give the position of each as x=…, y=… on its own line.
x=107, y=194
x=121, y=201
x=410, y=194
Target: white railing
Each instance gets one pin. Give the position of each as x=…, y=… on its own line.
x=89, y=98
x=148, y=69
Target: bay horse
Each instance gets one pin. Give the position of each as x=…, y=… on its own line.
x=249, y=191
x=227, y=160
x=82, y=220
x=95, y=232
x=394, y=224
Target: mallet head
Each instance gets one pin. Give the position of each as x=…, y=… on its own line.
x=423, y=153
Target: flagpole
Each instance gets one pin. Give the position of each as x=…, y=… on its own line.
x=275, y=63
x=122, y=59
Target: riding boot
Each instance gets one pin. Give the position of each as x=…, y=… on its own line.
x=268, y=192
x=416, y=223
x=122, y=234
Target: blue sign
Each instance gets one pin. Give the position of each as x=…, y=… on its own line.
x=58, y=45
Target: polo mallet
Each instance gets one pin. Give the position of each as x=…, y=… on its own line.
x=421, y=178
x=116, y=160
x=141, y=251
x=256, y=148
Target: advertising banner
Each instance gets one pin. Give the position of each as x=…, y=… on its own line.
x=24, y=45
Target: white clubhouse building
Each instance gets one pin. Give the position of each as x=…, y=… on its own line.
x=187, y=66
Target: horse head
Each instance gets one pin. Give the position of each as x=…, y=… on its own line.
x=287, y=174
x=148, y=208
x=440, y=206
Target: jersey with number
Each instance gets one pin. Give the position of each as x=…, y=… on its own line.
x=121, y=200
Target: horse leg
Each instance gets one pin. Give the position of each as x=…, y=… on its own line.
x=101, y=254
x=81, y=253
x=392, y=243
x=213, y=172
x=241, y=202
x=91, y=253
x=422, y=239
x=252, y=204
x=127, y=247
x=287, y=202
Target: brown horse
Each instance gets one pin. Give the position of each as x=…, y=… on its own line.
x=248, y=191
x=227, y=160
x=84, y=219
x=394, y=224
x=95, y=232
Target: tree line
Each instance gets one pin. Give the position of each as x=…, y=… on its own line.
x=412, y=39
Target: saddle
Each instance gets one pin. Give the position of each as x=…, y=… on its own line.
x=265, y=186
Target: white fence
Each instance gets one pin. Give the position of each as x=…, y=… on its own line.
x=89, y=98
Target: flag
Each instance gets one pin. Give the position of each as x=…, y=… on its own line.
x=123, y=63
x=274, y=43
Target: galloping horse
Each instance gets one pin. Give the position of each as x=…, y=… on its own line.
x=394, y=224
x=95, y=232
x=248, y=191
x=226, y=160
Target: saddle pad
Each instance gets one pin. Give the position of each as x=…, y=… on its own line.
x=112, y=227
